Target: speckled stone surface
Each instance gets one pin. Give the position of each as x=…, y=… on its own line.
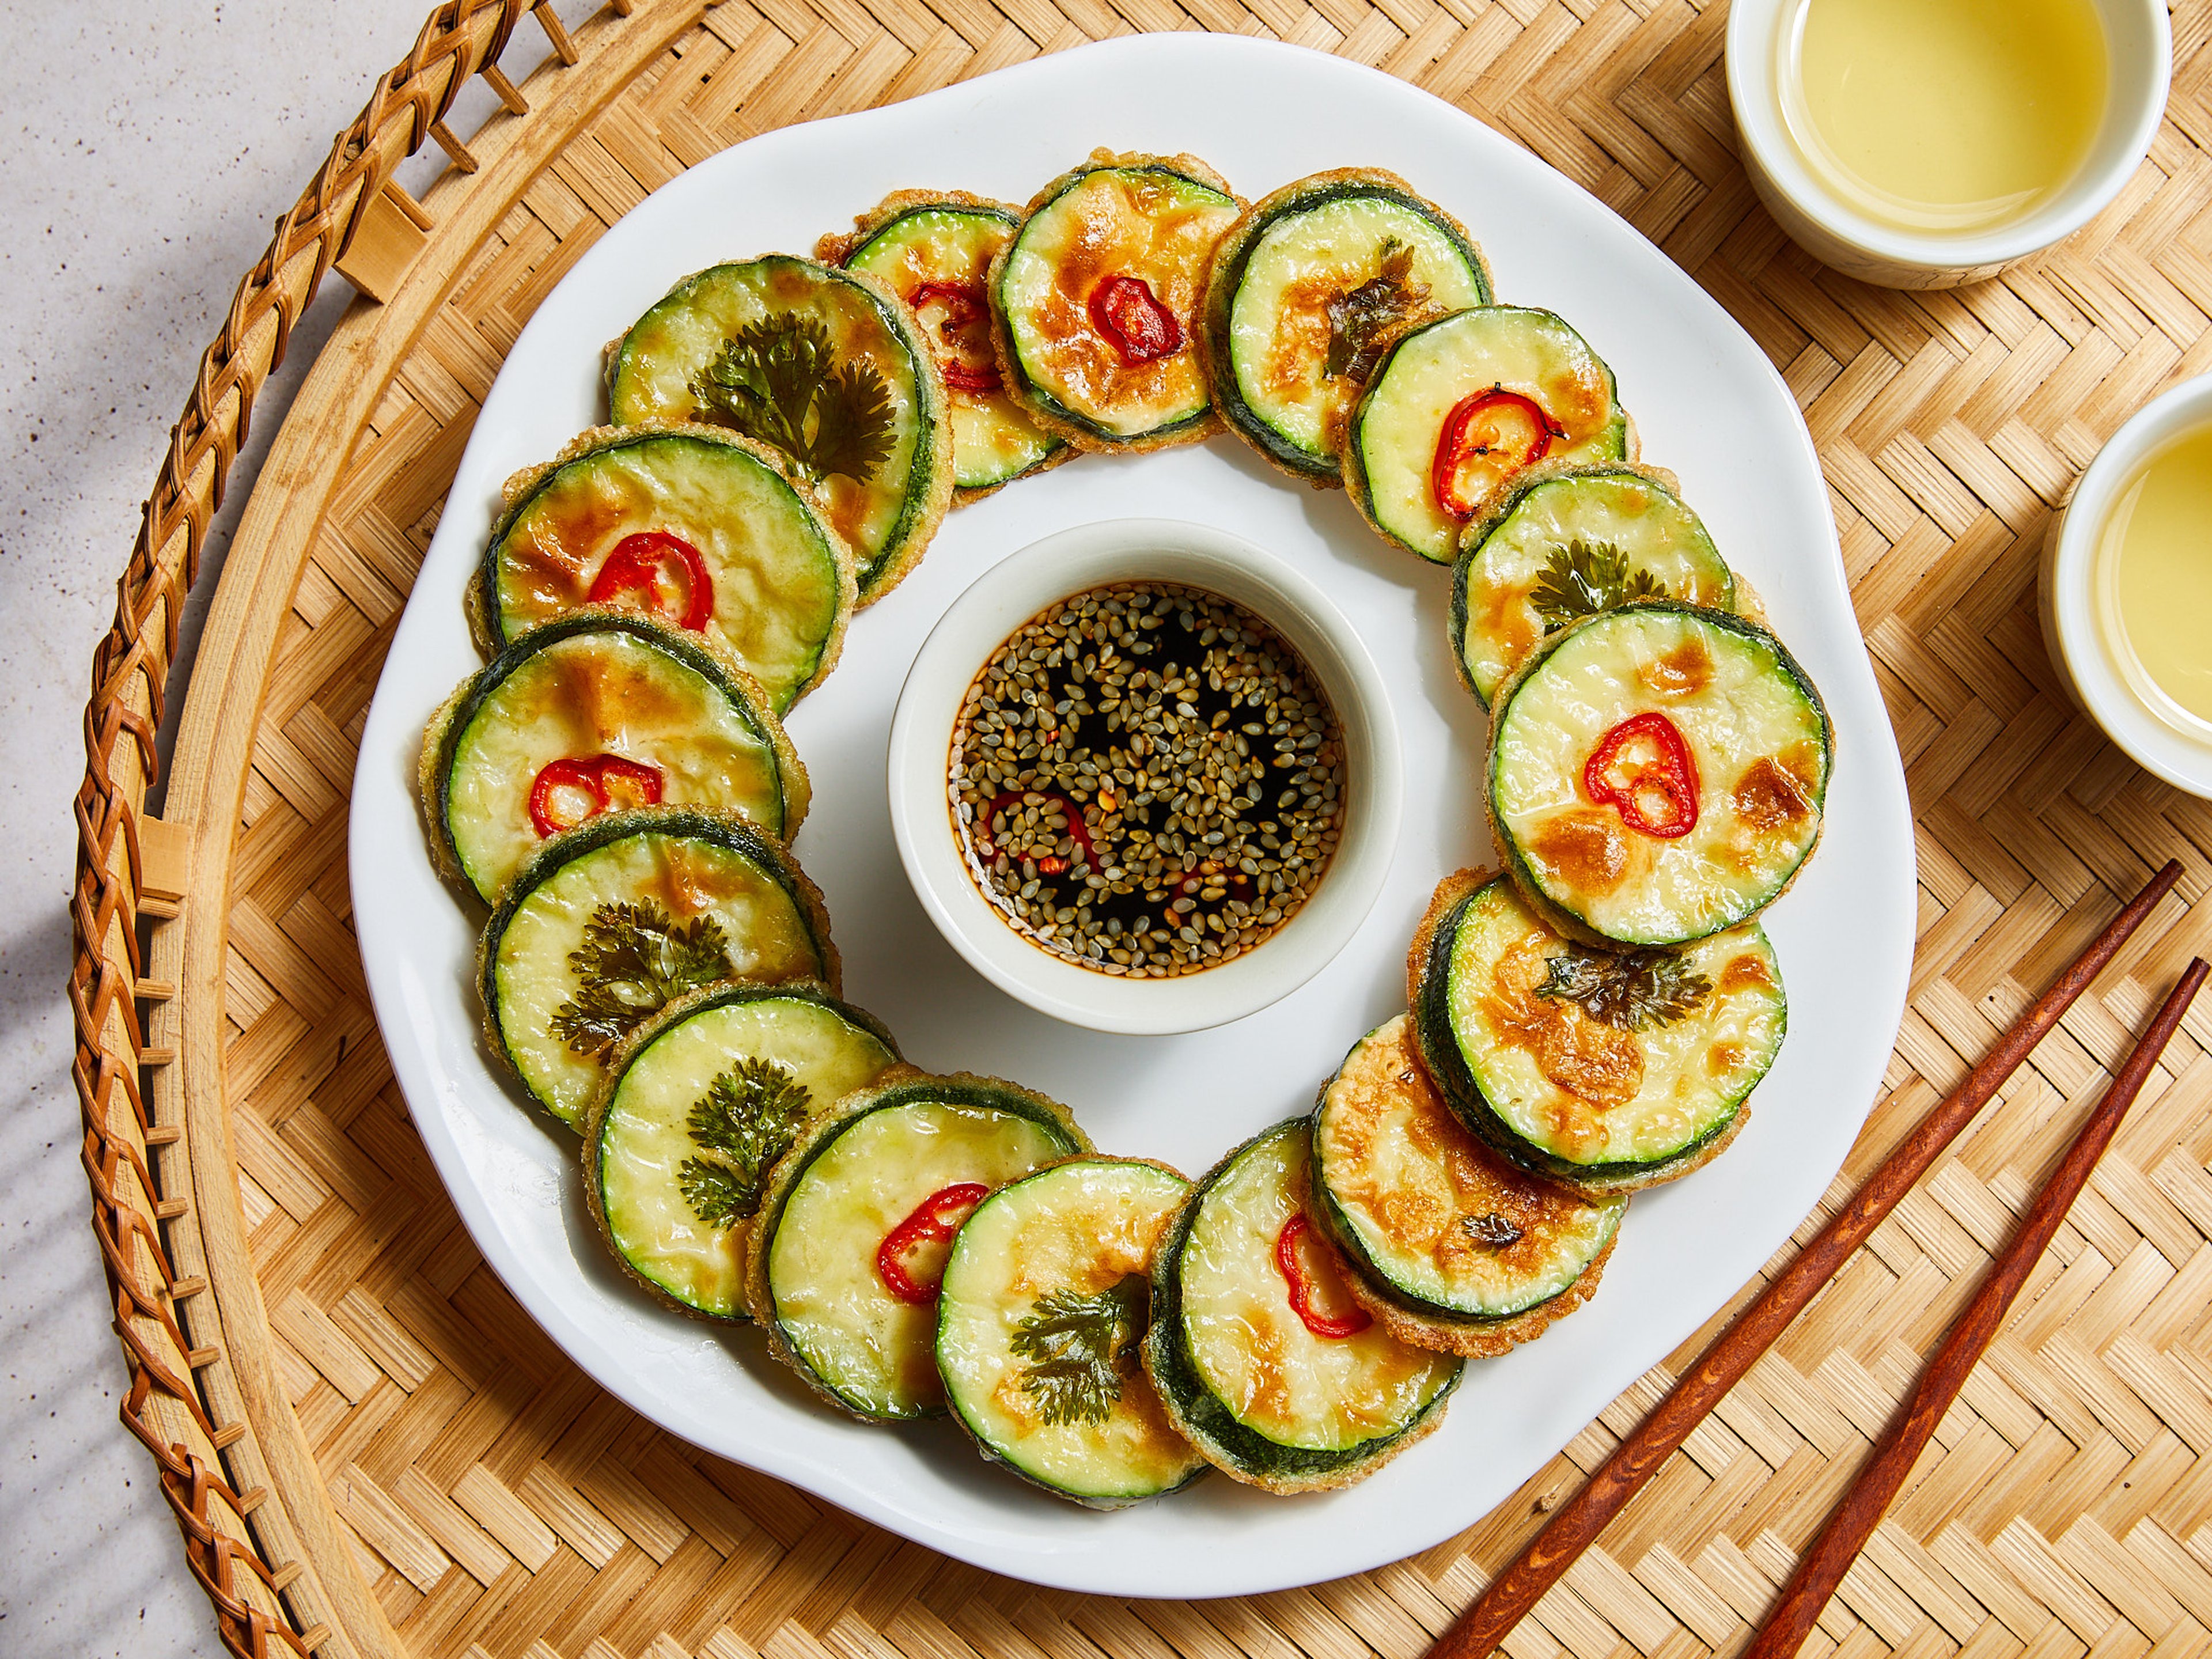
x=152, y=146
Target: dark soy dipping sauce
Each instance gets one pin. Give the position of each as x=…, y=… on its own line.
x=1147, y=780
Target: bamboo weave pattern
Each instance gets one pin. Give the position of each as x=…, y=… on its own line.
x=480, y=1496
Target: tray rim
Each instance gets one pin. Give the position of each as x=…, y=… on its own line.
x=257, y=1521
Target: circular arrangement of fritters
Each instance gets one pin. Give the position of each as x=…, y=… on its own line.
x=790, y=432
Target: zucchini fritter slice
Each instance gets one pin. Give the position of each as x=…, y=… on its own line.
x=1307, y=287
x=1450, y=1246
x=1046, y=1295
x=616, y=919
x=691, y=525
x=1605, y=1072
x=933, y=249
x=1657, y=774
x=1095, y=302
x=1265, y=1363
x=1566, y=541
x=1461, y=406
x=697, y=1108
x=598, y=710
x=847, y=1255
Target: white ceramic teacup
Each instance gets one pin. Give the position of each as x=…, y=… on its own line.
x=1195, y=556
x=2139, y=43
x=2171, y=744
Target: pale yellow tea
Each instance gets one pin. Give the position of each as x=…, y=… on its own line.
x=1944, y=115
x=2153, y=579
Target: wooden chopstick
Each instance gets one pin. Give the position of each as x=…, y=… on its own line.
x=1576, y=1523
x=1822, y=1567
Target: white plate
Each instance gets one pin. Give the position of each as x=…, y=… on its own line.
x=1709, y=405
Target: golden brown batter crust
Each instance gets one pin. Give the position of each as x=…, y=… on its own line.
x=1475, y=1341
x=1449, y=891
x=834, y=249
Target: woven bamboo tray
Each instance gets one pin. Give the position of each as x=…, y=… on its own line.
x=371, y=1451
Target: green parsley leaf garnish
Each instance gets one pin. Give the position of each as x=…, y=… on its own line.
x=778, y=380
x=1627, y=989
x=633, y=962
x=1584, y=578
x=1358, y=319
x=1080, y=1347
x=746, y=1120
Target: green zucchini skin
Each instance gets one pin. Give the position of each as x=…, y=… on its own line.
x=1755, y=724
x=1400, y=1187
x=1064, y=375
x=771, y=914
x=1077, y=1227
x=1448, y=266
x=718, y=744
x=1499, y=1084
x=634, y=1135
x=1232, y=1443
x=1391, y=437
x=1503, y=554
x=758, y=534
x=884, y=1150
x=949, y=237
x=887, y=518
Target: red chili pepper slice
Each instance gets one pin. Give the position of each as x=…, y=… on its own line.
x=1494, y=423
x=1077, y=830
x=963, y=308
x=934, y=1220
x=591, y=775
x=961, y=377
x=1135, y=324
x=1299, y=1278
x=1644, y=770
x=637, y=564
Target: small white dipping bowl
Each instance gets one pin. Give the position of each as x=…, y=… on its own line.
x=1132, y=551
x=2115, y=693
x=2139, y=49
